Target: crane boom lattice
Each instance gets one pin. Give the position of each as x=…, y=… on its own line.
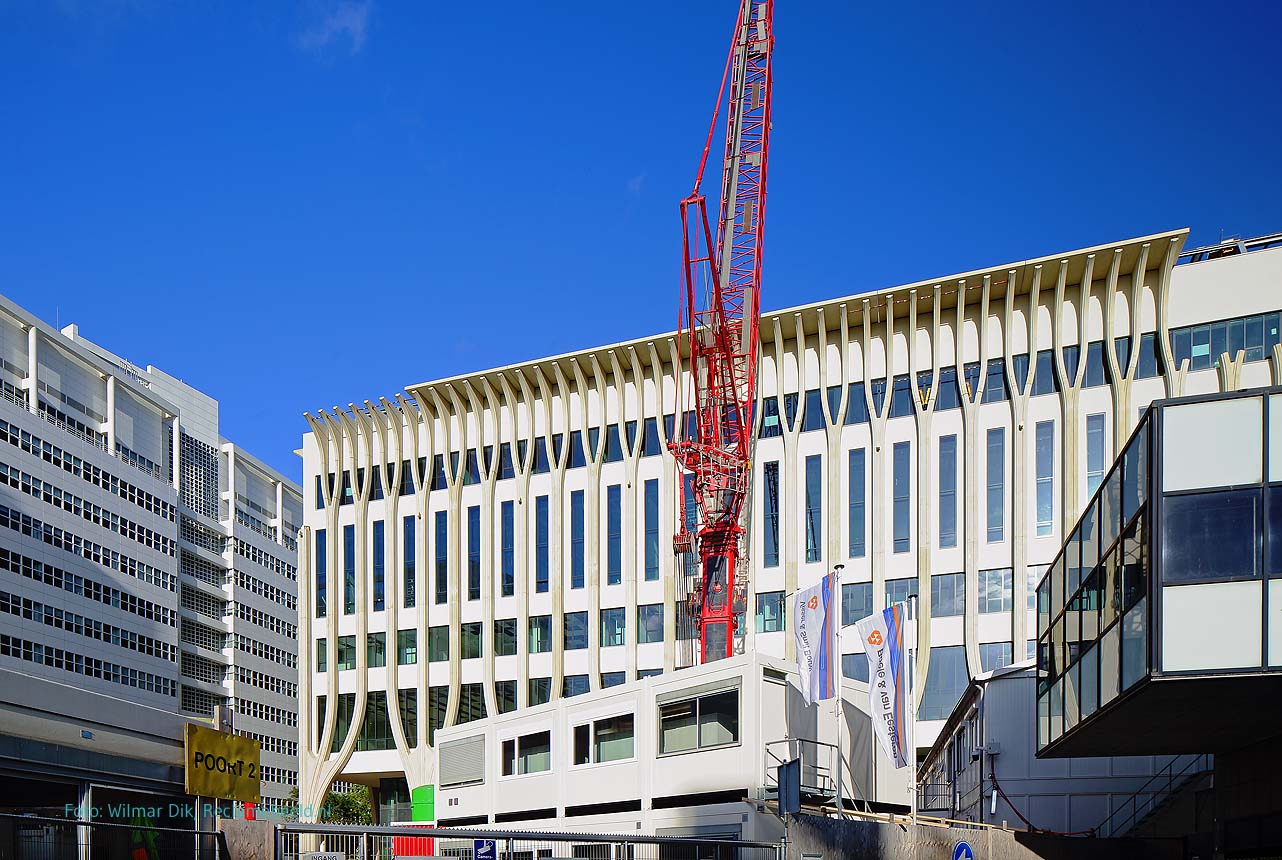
x=720, y=318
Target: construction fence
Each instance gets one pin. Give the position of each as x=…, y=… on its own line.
x=31, y=837
x=296, y=841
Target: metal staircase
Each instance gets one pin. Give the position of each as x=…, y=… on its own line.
x=821, y=771
x=1152, y=796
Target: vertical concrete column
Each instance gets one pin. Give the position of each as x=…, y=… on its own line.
x=1122, y=376
x=230, y=493
x=592, y=508
x=631, y=491
x=1172, y=377
x=789, y=504
x=556, y=543
x=355, y=424
x=176, y=477
x=525, y=465
x=387, y=428
x=279, y=522
x=31, y=383
x=454, y=533
x=669, y=505
x=878, y=545
x=307, y=757
x=1070, y=390
x=423, y=430
x=487, y=409
x=109, y=426
x=972, y=523
x=1021, y=387
x=924, y=410
x=316, y=767
x=834, y=418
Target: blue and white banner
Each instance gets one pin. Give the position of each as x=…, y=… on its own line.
x=812, y=622
x=883, y=637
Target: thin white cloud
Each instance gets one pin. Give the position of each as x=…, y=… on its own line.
x=635, y=184
x=344, y=20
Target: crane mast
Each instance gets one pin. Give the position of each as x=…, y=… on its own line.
x=720, y=317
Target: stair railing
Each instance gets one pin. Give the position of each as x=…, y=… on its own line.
x=1156, y=789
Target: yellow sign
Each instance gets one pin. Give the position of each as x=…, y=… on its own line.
x=221, y=765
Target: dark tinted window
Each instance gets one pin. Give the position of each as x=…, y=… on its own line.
x=1275, y=530
x=855, y=666
x=946, y=680
x=1096, y=370
x=1209, y=536
x=995, y=388
x=1044, y=381
x=651, y=444
x=814, y=417
x=878, y=394
x=856, y=404
x=901, y=398
x=770, y=426
x=948, y=395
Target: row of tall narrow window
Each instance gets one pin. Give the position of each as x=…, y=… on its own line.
x=507, y=550
x=902, y=482
x=901, y=519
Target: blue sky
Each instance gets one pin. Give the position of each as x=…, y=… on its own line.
x=295, y=205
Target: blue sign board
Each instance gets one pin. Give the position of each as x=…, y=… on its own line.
x=789, y=780
x=961, y=851
x=483, y=849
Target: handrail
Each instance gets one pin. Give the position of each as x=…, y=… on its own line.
x=448, y=833
x=1195, y=765
x=924, y=820
x=827, y=775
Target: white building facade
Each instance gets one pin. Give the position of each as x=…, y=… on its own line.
x=149, y=570
x=503, y=539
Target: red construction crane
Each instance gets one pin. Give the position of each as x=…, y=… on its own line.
x=718, y=329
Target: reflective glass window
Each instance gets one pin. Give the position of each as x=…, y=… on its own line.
x=1211, y=536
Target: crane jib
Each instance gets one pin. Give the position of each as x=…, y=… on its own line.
x=720, y=321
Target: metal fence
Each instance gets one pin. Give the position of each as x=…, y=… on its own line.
x=294, y=841
x=30, y=837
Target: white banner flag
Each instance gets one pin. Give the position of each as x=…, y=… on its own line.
x=883, y=637
x=812, y=621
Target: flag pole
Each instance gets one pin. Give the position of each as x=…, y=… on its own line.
x=840, y=709
x=912, y=707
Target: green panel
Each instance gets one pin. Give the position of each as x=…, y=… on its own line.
x=423, y=803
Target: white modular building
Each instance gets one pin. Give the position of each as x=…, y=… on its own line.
x=501, y=540
x=693, y=752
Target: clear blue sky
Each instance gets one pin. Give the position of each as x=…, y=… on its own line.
x=297, y=205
